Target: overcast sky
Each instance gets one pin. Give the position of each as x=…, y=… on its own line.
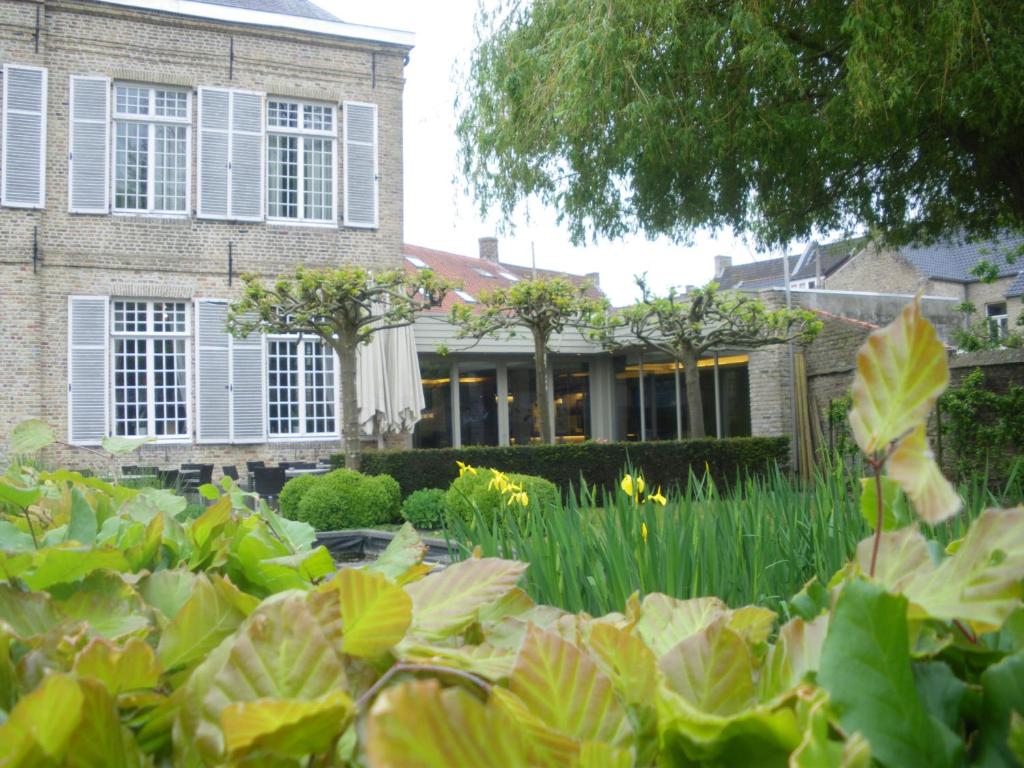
x=437, y=212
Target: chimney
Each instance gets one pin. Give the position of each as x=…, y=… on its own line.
x=489, y=249
x=595, y=278
x=722, y=263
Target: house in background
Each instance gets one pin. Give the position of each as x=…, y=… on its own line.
x=808, y=269
x=484, y=393
x=153, y=151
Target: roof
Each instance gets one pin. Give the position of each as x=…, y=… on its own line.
x=770, y=273
x=303, y=8
x=954, y=259
x=476, y=274
x=300, y=15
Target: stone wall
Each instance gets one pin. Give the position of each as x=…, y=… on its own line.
x=187, y=256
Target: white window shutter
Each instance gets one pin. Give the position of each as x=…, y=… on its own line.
x=214, y=145
x=89, y=146
x=248, y=390
x=360, y=164
x=23, y=161
x=213, y=372
x=247, y=167
x=88, y=392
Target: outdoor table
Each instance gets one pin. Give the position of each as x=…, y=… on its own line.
x=299, y=471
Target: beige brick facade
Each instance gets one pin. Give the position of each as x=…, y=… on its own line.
x=181, y=257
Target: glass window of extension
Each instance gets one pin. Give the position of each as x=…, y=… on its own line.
x=301, y=150
x=151, y=160
x=301, y=389
x=149, y=360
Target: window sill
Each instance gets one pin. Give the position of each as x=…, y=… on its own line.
x=155, y=215
x=303, y=223
x=303, y=438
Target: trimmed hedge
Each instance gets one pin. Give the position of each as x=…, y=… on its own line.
x=425, y=508
x=346, y=499
x=663, y=463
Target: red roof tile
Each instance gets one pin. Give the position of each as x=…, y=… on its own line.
x=475, y=274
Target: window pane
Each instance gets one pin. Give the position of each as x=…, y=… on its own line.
x=282, y=114
x=434, y=429
x=131, y=173
x=283, y=386
x=572, y=401
x=319, y=179
x=316, y=117
x=170, y=172
x=170, y=399
x=523, y=412
x=131, y=416
x=319, y=388
x=283, y=176
x=171, y=103
x=129, y=100
x=129, y=317
x=169, y=317
x=478, y=393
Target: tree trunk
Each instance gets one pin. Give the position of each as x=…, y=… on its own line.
x=348, y=359
x=694, y=402
x=540, y=363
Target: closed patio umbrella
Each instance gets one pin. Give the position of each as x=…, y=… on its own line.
x=371, y=387
x=405, y=401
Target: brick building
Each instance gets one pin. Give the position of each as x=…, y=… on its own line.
x=152, y=151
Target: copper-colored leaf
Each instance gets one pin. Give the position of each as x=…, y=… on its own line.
x=913, y=466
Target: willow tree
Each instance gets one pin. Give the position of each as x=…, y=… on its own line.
x=342, y=307
x=542, y=307
x=686, y=326
x=775, y=118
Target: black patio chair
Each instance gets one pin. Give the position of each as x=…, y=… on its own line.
x=169, y=478
x=201, y=474
x=230, y=470
x=251, y=465
x=267, y=482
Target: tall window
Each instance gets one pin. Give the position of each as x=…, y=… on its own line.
x=151, y=149
x=301, y=181
x=998, y=320
x=300, y=388
x=150, y=368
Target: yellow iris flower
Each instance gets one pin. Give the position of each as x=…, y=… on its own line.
x=657, y=497
x=643, y=532
x=632, y=488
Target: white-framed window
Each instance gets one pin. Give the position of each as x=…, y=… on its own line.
x=301, y=388
x=149, y=363
x=998, y=319
x=151, y=149
x=302, y=184
x=797, y=284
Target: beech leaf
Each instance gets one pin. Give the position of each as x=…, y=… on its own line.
x=913, y=466
x=375, y=612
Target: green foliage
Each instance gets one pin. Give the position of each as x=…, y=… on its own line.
x=348, y=499
x=666, y=463
x=425, y=508
x=770, y=118
x=985, y=428
x=984, y=334
x=478, y=495
x=292, y=494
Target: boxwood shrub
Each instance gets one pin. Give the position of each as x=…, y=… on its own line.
x=473, y=490
x=293, y=492
x=663, y=463
x=425, y=508
x=347, y=499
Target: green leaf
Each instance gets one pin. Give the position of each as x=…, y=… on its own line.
x=44, y=719
x=420, y=725
x=167, y=591
x=110, y=607
x=712, y=670
x=30, y=436
x=27, y=614
x=209, y=492
x=375, y=612
x=865, y=667
x=1002, y=695
x=60, y=565
x=901, y=371
x=665, y=621
x=288, y=727
x=913, y=466
x=119, y=446
x=13, y=539
x=82, y=527
x=20, y=497
x=131, y=668
x=795, y=655
x=811, y=601
x=404, y=551
x=566, y=689
x=818, y=750
x=213, y=612
x=446, y=603
x=626, y=659
x=894, y=508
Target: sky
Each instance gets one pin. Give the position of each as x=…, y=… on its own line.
x=440, y=214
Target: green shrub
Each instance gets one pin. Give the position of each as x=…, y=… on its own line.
x=293, y=492
x=348, y=499
x=474, y=490
x=667, y=463
x=425, y=508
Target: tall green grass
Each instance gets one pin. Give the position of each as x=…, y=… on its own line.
x=758, y=542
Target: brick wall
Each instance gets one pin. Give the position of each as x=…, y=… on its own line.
x=93, y=255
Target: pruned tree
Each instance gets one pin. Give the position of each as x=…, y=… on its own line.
x=342, y=307
x=542, y=307
x=774, y=118
x=686, y=326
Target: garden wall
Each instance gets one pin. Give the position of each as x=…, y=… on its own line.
x=666, y=463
